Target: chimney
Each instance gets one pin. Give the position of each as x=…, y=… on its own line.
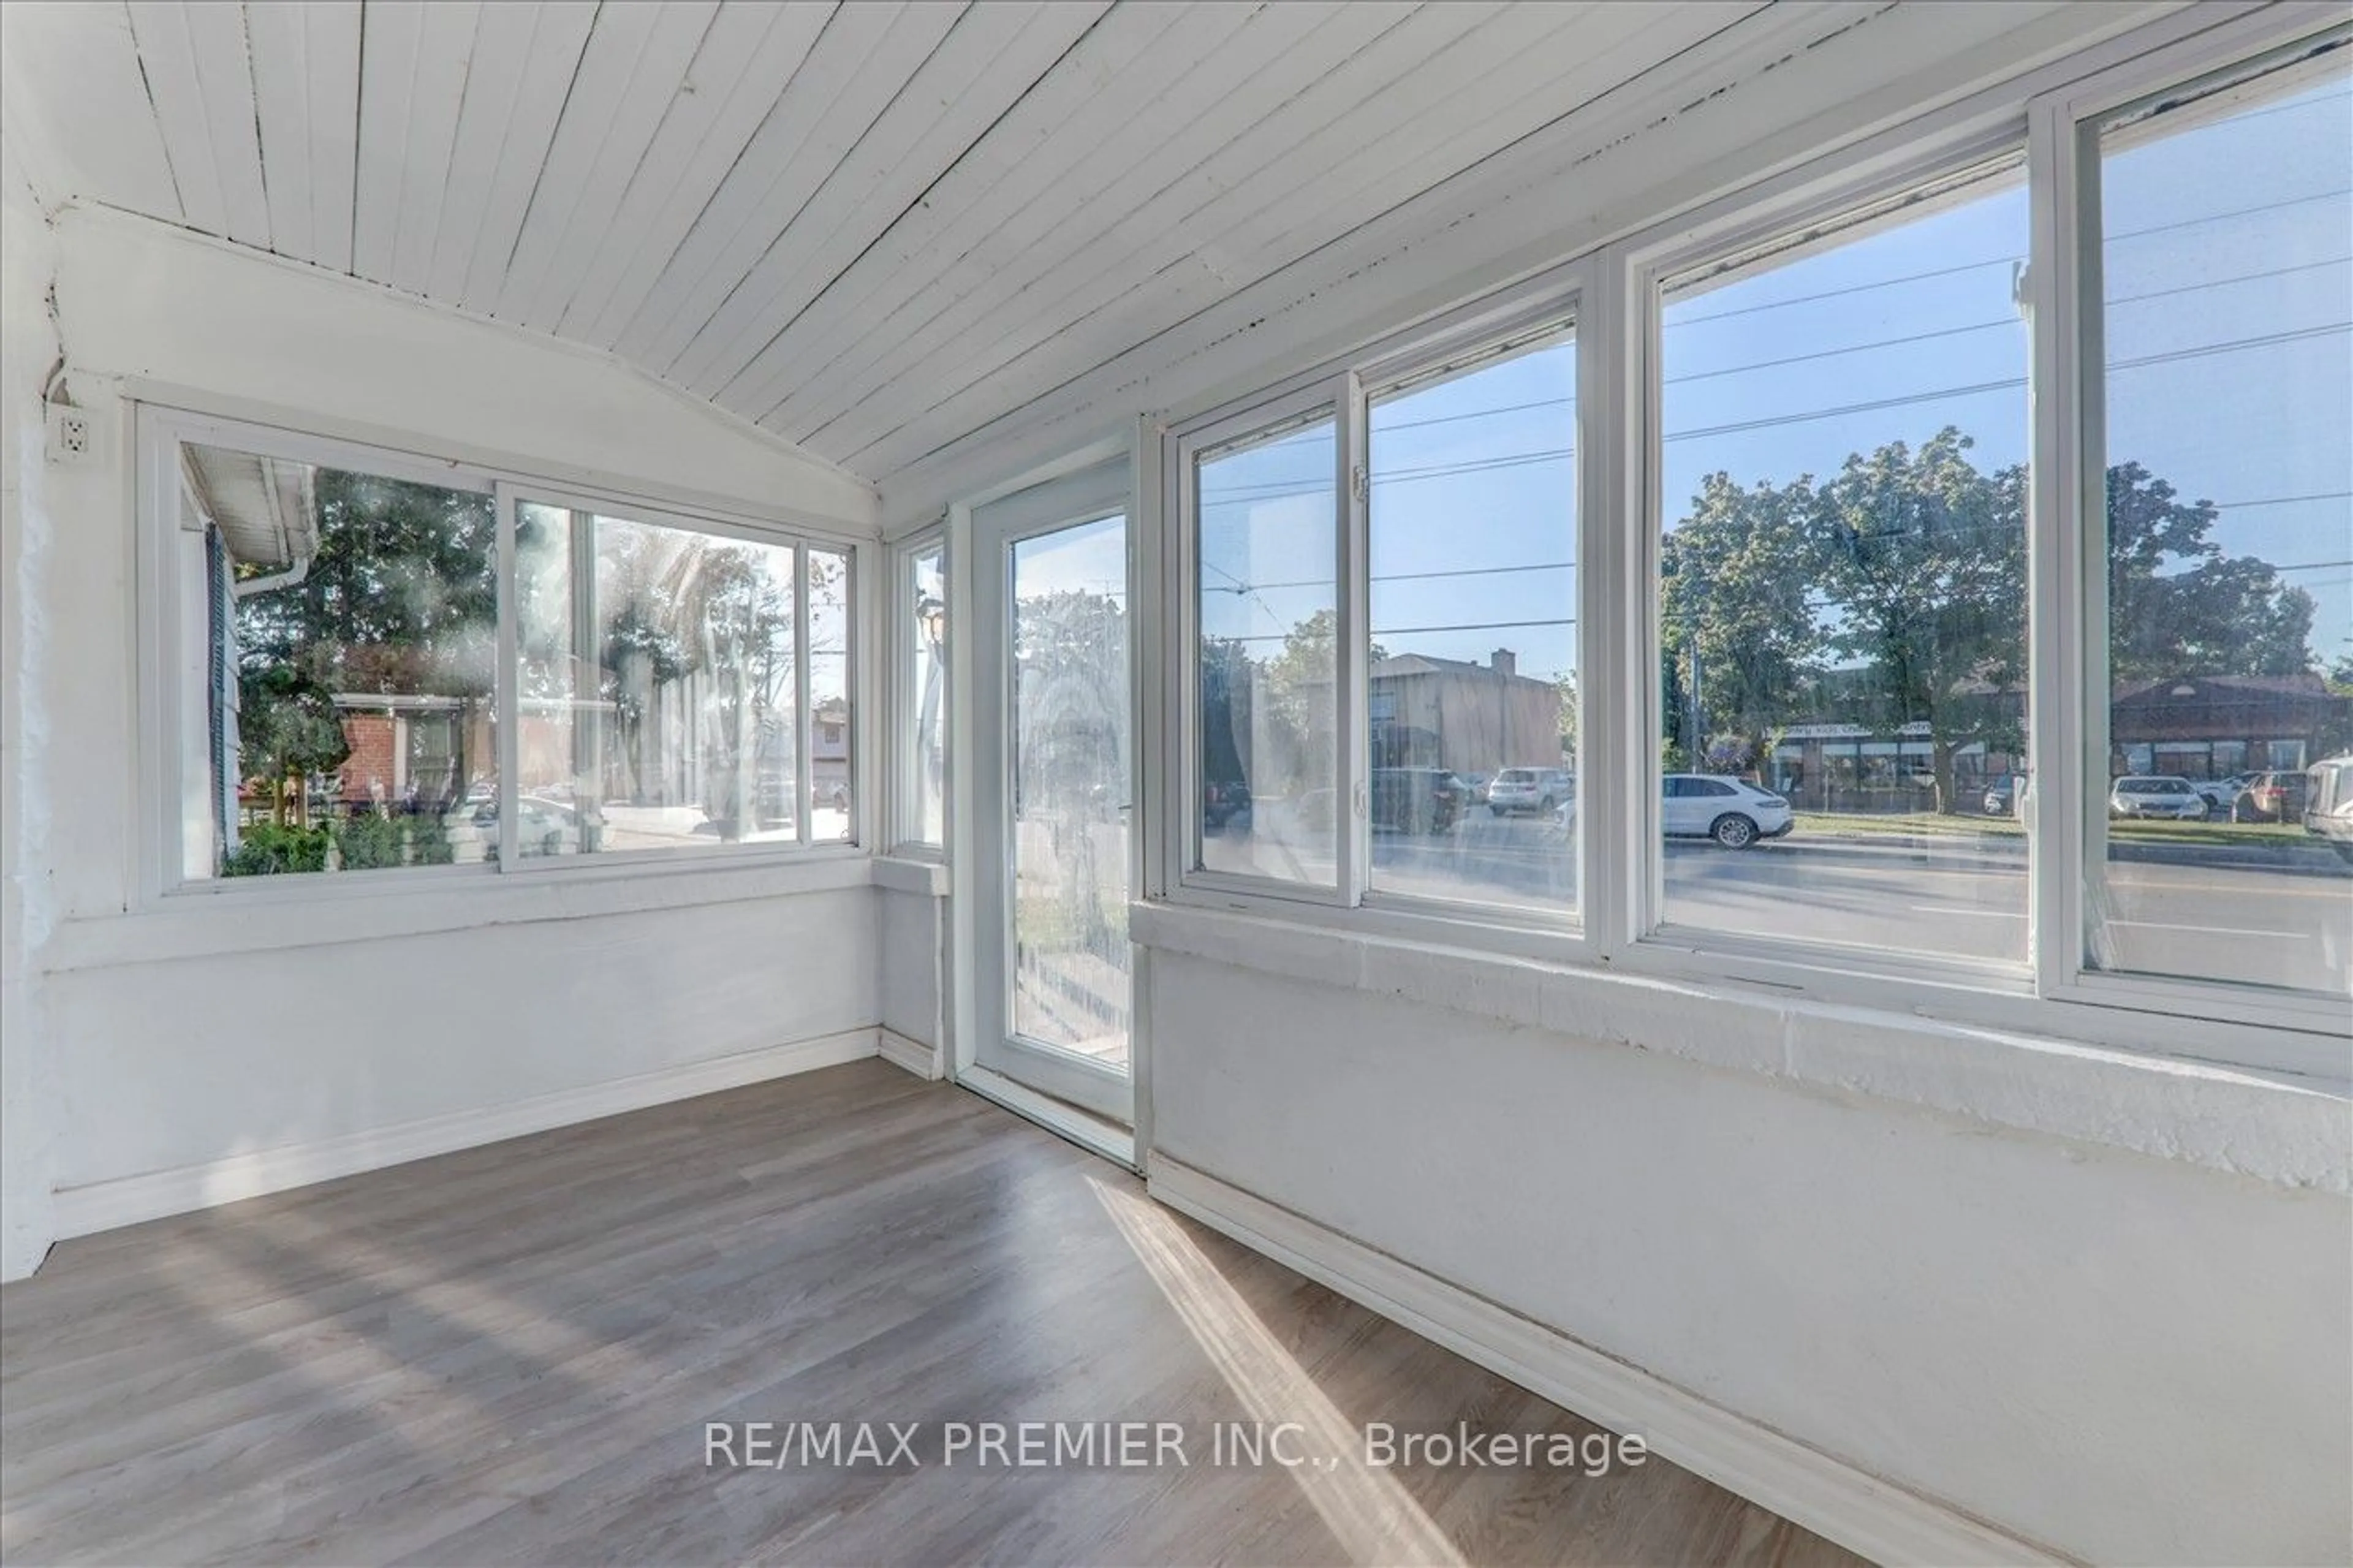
x=1506, y=662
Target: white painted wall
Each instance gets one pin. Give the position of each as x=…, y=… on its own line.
x=27, y=347
x=2129, y=1359
x=910, y=962
x=208, y=1030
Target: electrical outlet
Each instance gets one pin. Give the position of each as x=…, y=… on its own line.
x=71, y=440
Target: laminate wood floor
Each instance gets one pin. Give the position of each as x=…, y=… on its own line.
x=510, y=1355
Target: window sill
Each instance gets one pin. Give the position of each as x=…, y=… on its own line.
x=218, y=924
x=2287, y=1132
x=903, y=874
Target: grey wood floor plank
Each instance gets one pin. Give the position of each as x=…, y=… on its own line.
x=508, y=1354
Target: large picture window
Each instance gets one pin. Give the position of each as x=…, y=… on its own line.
x=1386, y=643
x=1841, y=580
x=334, y=675
x=2221, y=289
x=1925, y=581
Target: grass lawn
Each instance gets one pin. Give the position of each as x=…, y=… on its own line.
x=1856, y=824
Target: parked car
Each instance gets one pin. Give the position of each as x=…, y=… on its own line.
x=1225, y=801
x=1418, y=800
x=2271, y=797
x=2221, y=792
x=2328, y=804
x=1733, y=811
x=542, y=826
x=1532, y=790
x=2151, y=795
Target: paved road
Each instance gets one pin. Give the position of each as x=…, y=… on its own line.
x=1956, y=895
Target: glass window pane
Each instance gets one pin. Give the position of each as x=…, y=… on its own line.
x=1070, y=791
x=926, y=735
x=1473, y=676
x=831, y=820
x=1267, y=530
x=338, y=667
x=2225, y=224
x=656, y=686
x=1843, y=583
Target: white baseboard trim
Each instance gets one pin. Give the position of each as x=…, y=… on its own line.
x=128, y=1200
x=1858, y=1510
x=912, y=1055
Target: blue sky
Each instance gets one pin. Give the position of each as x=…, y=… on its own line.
x=2222, y=233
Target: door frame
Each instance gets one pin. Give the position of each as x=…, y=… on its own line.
x=1065, y=495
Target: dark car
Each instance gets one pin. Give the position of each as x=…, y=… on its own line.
x=1418, y=800
x=1223, y=802
x=2272, y=797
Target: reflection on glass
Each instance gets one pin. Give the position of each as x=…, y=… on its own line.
x=1473, y=680
x=2229, y=396
x=1269, y=615
x=1842, y=584
x=831, y=820
x=1069, y=799
x=657, y=688
x=927, y=699
x=338, y=666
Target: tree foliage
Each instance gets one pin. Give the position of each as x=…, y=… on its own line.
x=1894, y=594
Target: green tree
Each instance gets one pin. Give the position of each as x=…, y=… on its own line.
x=2178, y=605
x=1739, y=635
x=1923, y=558
x=287, y=730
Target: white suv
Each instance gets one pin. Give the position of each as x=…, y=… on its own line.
x=1536, y=790
x=1733, y=811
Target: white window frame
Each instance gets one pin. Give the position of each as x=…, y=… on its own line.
x=1620, y=881
x=160, y=430
x=1553, y=301
x=2073, y=559
x=513, y=494
x=1653, y=261
x=903, y=836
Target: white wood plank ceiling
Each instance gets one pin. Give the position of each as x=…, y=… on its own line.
x=871, y=227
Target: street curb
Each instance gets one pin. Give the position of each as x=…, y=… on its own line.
x=2313, y=859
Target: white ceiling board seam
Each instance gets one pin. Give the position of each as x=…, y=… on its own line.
x=278, y=54
x=649, y=95
x=990, y=256
x=726, y=75
x=1046, y=28
x=487, y=270
x=331, y=106
x=1124, y=41
x=706, y=259
x=862, y=94
x=388, y=45
x=168, y=63
x=1359, y=84
x=594, y=110
x=486, y=112
x=446, y=52
x=711, y=343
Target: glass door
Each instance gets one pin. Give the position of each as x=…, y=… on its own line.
x=1051, y=756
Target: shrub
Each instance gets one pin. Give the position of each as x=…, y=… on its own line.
x=268, y=849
